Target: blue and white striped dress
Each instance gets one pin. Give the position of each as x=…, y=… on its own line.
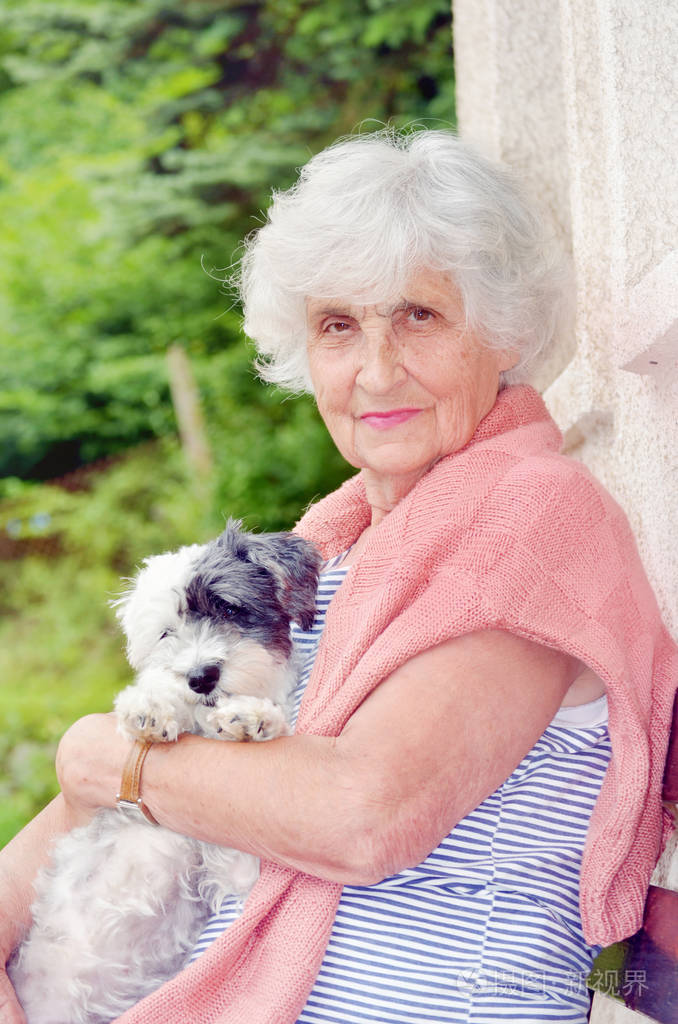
x=487, y=928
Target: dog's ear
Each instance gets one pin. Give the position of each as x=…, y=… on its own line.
x=152, y=599
x=293, y=562
x=122, y=601
x=296, y=563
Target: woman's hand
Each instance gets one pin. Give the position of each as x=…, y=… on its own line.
x=89, y=765
x=20, y=861
x=10, y=1011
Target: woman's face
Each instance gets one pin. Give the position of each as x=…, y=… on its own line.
x=400, y=386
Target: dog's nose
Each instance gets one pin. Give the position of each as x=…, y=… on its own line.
x=204, y=679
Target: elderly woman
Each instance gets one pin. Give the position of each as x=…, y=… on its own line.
x=435, y=843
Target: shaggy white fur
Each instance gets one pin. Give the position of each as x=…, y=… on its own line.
x=119, y=907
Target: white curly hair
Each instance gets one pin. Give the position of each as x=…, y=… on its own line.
x=372, y=210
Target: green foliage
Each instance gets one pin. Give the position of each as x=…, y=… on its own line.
x=272, y=455
x=139, y=141
x=61, y=653
x=150, y=135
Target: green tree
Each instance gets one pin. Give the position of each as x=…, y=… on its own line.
x=140, y=140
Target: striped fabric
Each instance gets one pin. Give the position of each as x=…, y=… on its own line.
x=487, y=928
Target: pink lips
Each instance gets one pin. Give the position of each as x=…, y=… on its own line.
x=386, y=420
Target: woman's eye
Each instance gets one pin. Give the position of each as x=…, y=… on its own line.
x=419, y=314
x=337, y=327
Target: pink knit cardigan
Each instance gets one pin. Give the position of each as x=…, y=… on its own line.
x=507, y=534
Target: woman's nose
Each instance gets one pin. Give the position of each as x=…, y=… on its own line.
x=381, y=365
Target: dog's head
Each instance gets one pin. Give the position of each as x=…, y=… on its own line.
x=208, y=613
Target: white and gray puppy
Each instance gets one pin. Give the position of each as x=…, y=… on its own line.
x=119, y=907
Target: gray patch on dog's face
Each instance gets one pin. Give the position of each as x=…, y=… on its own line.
x=257, y=583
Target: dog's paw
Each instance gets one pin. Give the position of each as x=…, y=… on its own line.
x=247, y=718
x=142, y=718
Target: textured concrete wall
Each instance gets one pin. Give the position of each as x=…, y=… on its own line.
x=579, y=96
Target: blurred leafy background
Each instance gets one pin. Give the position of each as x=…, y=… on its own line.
x=139, y=141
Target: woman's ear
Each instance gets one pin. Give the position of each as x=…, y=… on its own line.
x=508, y=358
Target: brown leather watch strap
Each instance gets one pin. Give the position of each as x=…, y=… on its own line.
x=130, y=784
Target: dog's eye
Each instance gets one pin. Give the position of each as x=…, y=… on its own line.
x=166, y=633
x=226, y=609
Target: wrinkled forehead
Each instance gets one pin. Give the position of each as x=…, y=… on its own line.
x=318, y=308
x=416, y=287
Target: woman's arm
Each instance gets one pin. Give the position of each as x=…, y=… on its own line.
x=425, y=748
x=20, y=861
x=22, y=858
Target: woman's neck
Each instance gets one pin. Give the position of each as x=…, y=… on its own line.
x=382, y=497
x=384, y=493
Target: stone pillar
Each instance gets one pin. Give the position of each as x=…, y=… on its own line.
x=579, y=97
